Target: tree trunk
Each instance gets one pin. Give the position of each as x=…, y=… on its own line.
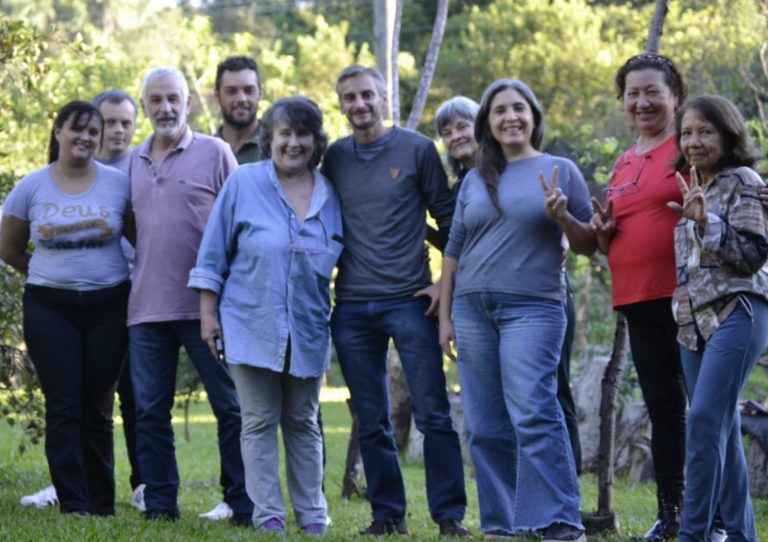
x=429, y=65
x=657, y=26
x=383, y=31
x=395, y=96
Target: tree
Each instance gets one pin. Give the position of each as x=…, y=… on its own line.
x=657, y=26
x=383, y=34
x=429, y=65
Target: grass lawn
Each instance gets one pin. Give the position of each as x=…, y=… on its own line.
x=198, y=464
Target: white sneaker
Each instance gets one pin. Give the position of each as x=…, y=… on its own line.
x=41, y=499
x=222, y=511
x=717, y=535
x=137, y=498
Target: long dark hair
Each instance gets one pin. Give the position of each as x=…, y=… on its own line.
x=81, y=114
x=490, y=158
x=738, y=148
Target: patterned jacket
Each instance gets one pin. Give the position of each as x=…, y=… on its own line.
x=727, y=259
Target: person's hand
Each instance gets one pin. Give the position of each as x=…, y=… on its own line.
x=433, y=292
x=447, y=339
x=603, y=224
x=763, y=194
x=210, y=328
x=694, y=205
x=555, y=202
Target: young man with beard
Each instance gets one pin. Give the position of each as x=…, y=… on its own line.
x=238, y=91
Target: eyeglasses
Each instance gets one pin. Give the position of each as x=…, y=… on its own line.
x=628, y=188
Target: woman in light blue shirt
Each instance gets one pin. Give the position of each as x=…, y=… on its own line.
x=263, y=271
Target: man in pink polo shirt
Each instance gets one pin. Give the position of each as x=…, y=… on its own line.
x=175, y=177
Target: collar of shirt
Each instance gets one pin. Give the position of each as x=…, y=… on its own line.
x=145, y=148
x=319, y=191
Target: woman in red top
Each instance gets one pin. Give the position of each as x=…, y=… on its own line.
x=635, y=231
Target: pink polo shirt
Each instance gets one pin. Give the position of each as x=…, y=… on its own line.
x=171, y=202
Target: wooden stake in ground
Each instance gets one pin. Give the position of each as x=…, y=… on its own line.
x=605, y=518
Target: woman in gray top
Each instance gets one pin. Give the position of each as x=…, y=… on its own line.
x=75, y=301
x=502, y=271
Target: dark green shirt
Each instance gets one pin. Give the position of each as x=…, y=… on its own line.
x=249, y=151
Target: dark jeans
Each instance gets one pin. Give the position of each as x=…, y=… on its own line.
x=656, y=354
x=564, y=395
x=128, y=413
x=154, y=360
x=361, y=332
x=77, y=341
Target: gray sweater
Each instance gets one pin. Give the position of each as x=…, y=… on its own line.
x=520, y=252
x=383, y=203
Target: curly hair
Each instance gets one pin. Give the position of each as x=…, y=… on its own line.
x=672, y=75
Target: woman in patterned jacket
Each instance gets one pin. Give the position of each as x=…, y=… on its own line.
x=721, y=307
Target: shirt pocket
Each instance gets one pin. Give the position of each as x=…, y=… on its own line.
x=197, y=190
x=320, y=247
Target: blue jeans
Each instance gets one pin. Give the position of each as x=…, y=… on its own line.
x=508, y=353
x=154, y=359
x=361, y=331
x=715, y=466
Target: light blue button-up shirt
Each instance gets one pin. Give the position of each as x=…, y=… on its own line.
x=271, y=271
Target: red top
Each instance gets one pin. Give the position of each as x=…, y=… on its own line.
x=642, y=253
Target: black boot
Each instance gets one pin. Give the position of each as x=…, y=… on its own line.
x=668, y=523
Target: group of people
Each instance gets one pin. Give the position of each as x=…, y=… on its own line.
x=239, y=273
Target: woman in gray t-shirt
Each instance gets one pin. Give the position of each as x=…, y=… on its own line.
x=502, y=273
x=75, y=300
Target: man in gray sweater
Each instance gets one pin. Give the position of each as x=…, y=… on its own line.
x=387, y=178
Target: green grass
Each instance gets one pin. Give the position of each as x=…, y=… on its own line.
x=198, y=464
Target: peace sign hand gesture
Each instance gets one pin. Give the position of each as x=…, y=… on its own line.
x=694, y=205
x=603, y=224
x=555, y=202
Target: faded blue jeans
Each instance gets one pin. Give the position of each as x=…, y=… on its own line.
x=508, y=353
x=715, y=466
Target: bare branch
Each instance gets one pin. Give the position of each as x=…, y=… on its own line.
x=657, y=26
x=395, y=68
x=429, y=65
